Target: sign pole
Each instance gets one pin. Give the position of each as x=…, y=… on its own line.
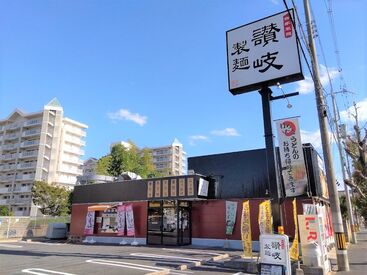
x=270, y=157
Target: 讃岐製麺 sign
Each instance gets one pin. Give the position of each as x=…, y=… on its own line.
x=263, y=52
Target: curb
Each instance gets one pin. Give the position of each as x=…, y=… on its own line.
x=160, y=272
x=199, y=263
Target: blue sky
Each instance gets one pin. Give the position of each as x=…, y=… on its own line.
x=151, y=71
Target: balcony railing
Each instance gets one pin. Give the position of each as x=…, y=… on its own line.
x=28, y=154
x=29, y=143
x=9, y=156
x=11, y=136
x=12, y=126
x=23, y=189
x=7, y=167
x=26, y=165
x=10, y=146
x=6, y=178
x=33, y=122
x=3, y=201
x=5, y=190
x=31, y=132
x=24, y=177
x=19, y=201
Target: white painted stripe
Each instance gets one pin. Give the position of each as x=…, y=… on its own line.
x=187, y=251
x=158, y=256
x=42, y=243
x=40, y=271
x=11, y=245
x=131, y=265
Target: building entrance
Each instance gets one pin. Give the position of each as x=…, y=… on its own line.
x=169, y=222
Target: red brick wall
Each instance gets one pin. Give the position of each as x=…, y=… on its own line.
x=79, y=212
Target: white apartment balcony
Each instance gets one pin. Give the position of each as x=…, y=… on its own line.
x=33, y=132
x=27, y=165
x=3, y=201
x=72, y=170
x=22, y=189
x=11, y=136
x=28, y=154
x=20, y=201
x=29, y=143
x=24, y=177
x=7, y=167
x=72, y=160
x=5, y=190
x=9, y=156
x=9, y=147
x=12, y=126
x=6, y=178
x=75, y=140
x=2, y=128
x=75, y=151
x=32, y=122
x=20, y=213
x=75, y=131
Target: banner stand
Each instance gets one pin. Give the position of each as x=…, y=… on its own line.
x=123, y=242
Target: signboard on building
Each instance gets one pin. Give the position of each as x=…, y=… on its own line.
x=203, y=187
x=274, y=250
x=231, y=212
x=263, y=53
x=291, y=157
x=89, y=223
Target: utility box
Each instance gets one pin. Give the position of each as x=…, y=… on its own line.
x=56, y=230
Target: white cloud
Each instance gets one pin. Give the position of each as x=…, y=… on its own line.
x=228, y=132
x=124, y=114
x=275, y=2
x=346, y=115
x=314, y=138
x=195, y=138
x=306, y=86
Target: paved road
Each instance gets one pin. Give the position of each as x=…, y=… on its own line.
x=71, y=259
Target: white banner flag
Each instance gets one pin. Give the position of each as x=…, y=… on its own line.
x=291, y=156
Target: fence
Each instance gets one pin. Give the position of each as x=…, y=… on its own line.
x=26, y=227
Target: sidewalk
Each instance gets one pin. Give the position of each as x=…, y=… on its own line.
x=357, y=254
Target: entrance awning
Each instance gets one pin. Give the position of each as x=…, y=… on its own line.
x=99, y=207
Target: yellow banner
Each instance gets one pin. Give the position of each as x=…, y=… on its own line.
x=294, y=250
x=246, y=229
x=265, y=218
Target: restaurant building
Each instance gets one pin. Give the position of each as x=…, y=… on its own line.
x=190, y=209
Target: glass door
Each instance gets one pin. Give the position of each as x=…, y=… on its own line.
x=184, y=215
x=154, y=227
x=169, y=228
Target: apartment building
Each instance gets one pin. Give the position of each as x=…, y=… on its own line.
x=170, y=159
x=40, y=146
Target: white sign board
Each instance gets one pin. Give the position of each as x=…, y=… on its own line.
x=311, y=229
x=291, y=156
x=263, y=53
x=203, y=187
x=274, y=249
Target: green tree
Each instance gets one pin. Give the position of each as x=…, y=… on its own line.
x=51, y=199
x=130, y=159
x=102, y=165
x=5, y=211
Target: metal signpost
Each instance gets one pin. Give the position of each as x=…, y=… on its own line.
x=261, y=54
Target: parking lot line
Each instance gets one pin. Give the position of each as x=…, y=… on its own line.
x=132, y=266
x=159, y=256
x=188, y=251
x=10, y=245
x=40, y=271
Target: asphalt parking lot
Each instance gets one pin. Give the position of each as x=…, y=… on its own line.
x=43, y=258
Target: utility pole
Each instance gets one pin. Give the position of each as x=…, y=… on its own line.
x=343, y=167
x=341, y=249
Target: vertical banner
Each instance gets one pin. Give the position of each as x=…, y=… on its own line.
x=121, y=210
x=89, y=223
x=246, y=229
x=265, y=218
x=231, y=210
x=291, y=156
x=294, y=250
x=130, y=227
